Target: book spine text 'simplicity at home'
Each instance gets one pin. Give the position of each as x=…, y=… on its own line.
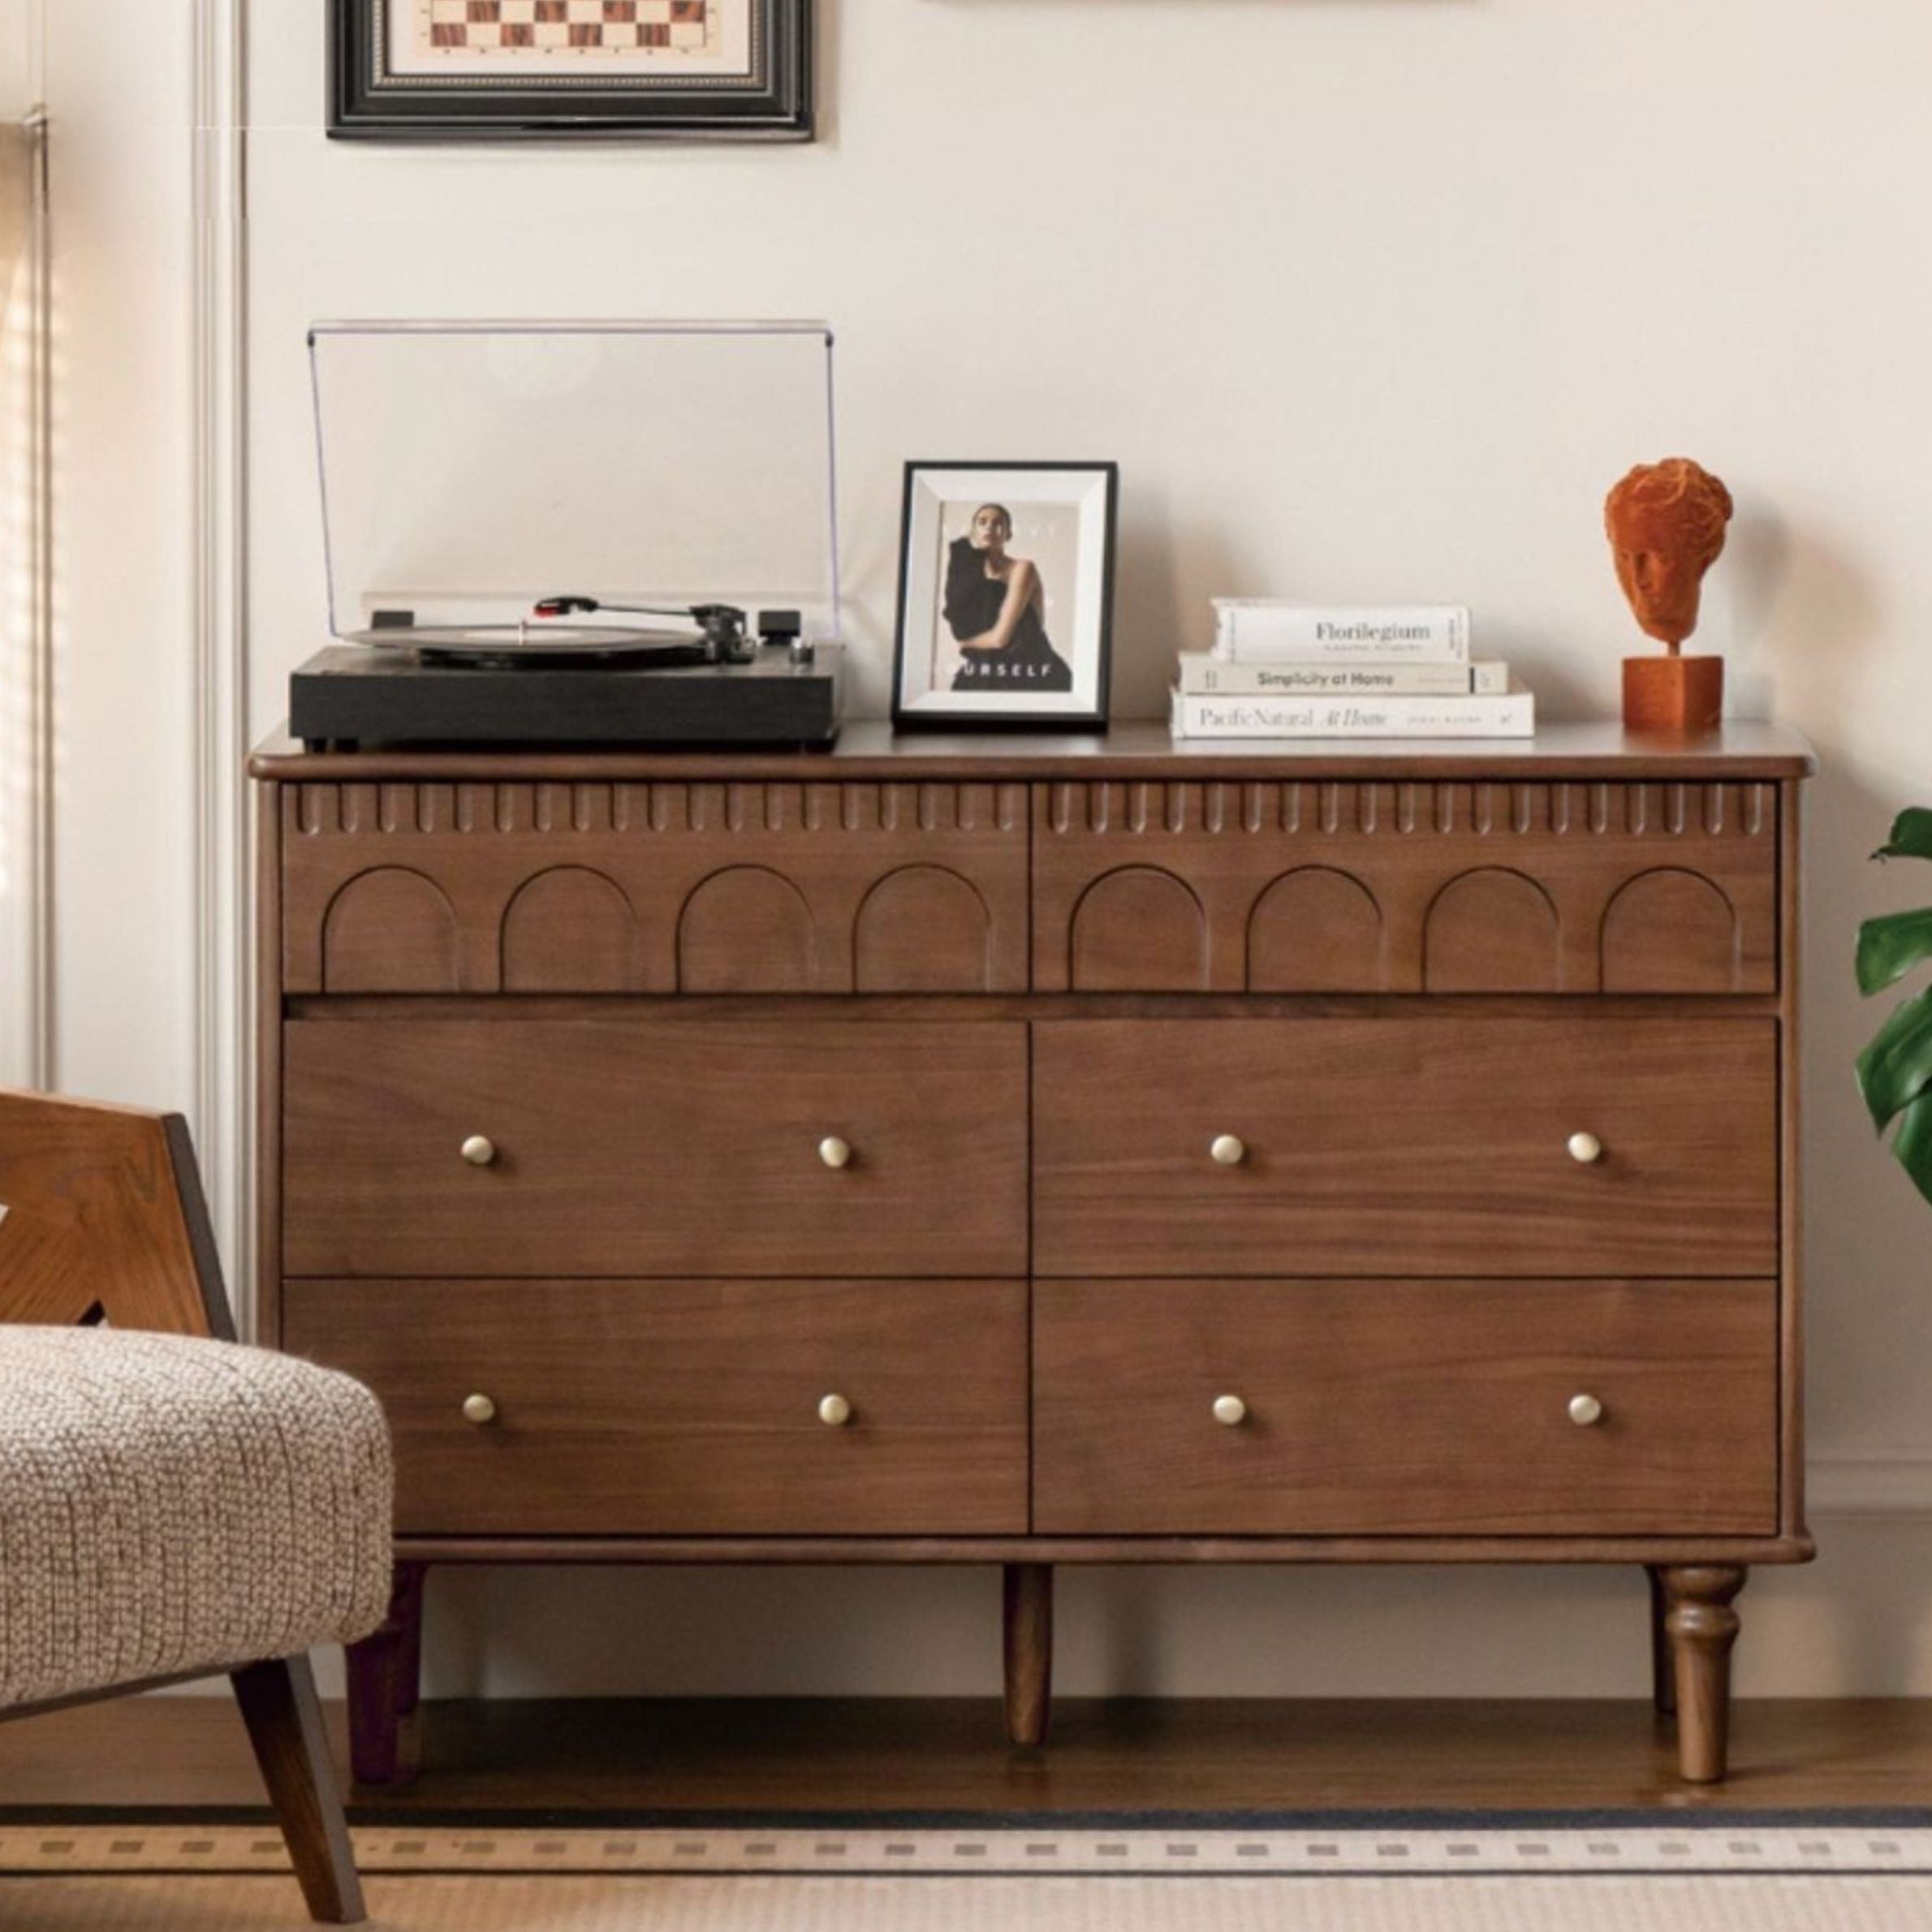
x=1202, y=673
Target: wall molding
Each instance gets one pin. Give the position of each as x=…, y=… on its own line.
x=27, y=618
x=1895, y=1484
x=222, y=1049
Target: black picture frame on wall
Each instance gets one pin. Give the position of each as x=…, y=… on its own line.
x=542, y=70
x=1005, y=596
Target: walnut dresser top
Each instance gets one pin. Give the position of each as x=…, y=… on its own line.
x=1132, y=749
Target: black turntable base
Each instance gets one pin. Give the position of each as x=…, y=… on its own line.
x=348, y=696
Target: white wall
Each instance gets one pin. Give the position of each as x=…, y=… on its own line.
x=1370, y=299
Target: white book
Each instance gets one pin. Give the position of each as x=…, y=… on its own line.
x=1266, y=630
x=1202, y=672
x=1512, y=715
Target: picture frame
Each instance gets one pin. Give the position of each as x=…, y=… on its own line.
x=1006, y=591
x=570, y=70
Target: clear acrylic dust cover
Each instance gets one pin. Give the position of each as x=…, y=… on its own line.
x=473, y=469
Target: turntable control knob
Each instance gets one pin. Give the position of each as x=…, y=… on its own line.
x=835, y=1152
x=479, y=1150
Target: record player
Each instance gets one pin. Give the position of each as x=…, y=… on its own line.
x=596, y=533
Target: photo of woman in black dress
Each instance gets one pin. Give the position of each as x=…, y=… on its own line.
x=993, y=606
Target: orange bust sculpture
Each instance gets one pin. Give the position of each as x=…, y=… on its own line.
x=1666, y=523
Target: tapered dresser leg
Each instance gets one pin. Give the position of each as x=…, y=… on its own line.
x=1703, y=1627
x=1028, y=1651
x=383, y=1670
x=1663, y=1669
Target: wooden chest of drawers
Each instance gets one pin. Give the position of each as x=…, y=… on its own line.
x=1031, y=1152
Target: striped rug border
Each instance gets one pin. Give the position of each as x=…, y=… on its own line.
x=1006, y=1849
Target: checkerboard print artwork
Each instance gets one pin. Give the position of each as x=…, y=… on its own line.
x=581, y=28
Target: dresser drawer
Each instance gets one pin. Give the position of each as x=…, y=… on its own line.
x=1469, y=885
x=1422, y=1145
x=691, y=1409
x=679, y=886
x=1413, y=1408
x=617, y=1148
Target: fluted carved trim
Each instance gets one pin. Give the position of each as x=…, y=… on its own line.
x=648, y=809
x=1341, y=808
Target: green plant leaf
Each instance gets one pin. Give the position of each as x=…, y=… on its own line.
x=1896, y=1067
x=1889, y=948
x=1911, y=835
x=1912, y=1143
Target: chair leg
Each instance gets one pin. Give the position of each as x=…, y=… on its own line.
x=279, y=1706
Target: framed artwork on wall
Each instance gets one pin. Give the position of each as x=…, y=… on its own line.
x=551, y=70
x=1006, y=588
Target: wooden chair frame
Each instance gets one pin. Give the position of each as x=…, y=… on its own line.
x=102, y=1217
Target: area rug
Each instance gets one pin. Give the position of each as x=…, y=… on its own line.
x=1765, y=1872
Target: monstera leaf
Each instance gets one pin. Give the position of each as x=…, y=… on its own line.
x=1894, y=1072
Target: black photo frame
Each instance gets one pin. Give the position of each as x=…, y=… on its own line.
x=494, y=91
x=1051, y=670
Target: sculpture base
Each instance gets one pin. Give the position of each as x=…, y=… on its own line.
x=1673, y=694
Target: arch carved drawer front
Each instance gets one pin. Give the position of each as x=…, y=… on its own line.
x=661, y=1408
x=1172, y=887
x=1405, y=1408
x=1406, y=1145
x=665, y=887
x=508, y=1146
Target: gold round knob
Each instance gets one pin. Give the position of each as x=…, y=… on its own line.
x=835, y=1411
x=479, y=1150
x=835, y=1152
x=1230, y=1409
x=1585, y=1147
x=478, y=1409
x=1585, y=1411
x=1229, y=1150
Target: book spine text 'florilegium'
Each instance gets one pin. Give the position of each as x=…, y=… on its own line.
x=1258, y=631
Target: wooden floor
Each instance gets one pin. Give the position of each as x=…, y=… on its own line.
x=903, y=1754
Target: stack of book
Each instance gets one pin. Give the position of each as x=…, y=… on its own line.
x=1299, y=670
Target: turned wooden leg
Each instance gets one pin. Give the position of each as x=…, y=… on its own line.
x=1663, y=1668
x=384, y=1671
x=1028, y=1651
x=279, y=1705
x=1703, y=1627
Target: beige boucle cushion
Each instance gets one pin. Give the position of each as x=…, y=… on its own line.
x=168, y=1504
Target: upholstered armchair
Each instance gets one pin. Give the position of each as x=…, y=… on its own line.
x=172, y=1505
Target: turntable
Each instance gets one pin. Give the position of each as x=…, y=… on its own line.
x=596, y=533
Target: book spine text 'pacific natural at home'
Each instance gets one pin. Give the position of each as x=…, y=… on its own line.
x=1511, y=716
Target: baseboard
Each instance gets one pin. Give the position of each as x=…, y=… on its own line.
x=1887, y=1483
